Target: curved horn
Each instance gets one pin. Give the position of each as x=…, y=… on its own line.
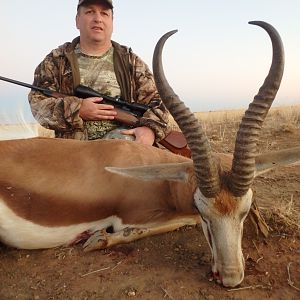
x=205, y=166
x=243, y=165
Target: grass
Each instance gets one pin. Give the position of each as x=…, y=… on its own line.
x=221, y=126
x=284, y=218
x=279, y=118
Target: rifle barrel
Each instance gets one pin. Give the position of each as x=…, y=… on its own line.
x=22, y=84
x=83, y=92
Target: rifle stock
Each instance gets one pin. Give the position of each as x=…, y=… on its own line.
x=125, y=117
x=127, y=113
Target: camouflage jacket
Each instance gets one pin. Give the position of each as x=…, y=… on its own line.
x=59, y=71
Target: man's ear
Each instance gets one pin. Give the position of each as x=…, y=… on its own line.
x=76, y=21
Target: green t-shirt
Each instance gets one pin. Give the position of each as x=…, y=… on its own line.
x=97, y=72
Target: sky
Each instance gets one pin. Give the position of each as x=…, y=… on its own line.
x=215, y=61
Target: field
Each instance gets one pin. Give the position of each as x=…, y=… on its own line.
x=176, y=265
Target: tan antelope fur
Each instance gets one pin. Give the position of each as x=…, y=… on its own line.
x=57, y=192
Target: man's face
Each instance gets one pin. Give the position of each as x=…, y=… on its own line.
x=95, y=23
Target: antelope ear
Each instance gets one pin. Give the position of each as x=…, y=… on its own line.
x=171, y=171
x=271, y=160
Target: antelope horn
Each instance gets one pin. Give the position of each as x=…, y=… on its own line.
x=243, y=165
x=205, y=166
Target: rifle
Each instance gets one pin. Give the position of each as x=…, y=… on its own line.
x=127, y=113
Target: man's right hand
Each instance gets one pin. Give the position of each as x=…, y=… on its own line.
x=92, y=110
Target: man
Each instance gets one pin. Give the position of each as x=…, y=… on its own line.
x=94, y=60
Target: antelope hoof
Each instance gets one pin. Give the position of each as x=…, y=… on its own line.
x=97, y=241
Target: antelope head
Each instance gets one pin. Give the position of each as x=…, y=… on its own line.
x=224, y=197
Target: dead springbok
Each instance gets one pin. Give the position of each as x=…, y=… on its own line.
x=55, y=192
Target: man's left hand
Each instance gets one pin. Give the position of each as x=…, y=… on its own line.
x=143, y=135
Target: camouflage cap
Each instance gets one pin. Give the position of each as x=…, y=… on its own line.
x=108, y=2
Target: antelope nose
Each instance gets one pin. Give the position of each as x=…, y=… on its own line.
x=232, y=279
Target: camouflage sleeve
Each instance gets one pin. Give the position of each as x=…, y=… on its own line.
x=61, y=114
x=157, y=117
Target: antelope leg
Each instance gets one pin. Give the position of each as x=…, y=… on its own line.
x=101, y=239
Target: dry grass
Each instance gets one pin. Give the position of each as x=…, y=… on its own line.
x=221, y=127
x=44, y=132
x=287, y=115
x=216, y=118
x=284, y=218
x=18, y=131
x=284, y=119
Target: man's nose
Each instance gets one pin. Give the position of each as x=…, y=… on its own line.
x=97, y=17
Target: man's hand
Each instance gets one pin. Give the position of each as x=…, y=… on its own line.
x=143, y=135
x=92, y=110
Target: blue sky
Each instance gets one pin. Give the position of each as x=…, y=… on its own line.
x=216, y=60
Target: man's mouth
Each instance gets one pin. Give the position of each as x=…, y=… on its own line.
x=97, y=28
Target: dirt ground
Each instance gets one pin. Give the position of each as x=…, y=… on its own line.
x=176, y=265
